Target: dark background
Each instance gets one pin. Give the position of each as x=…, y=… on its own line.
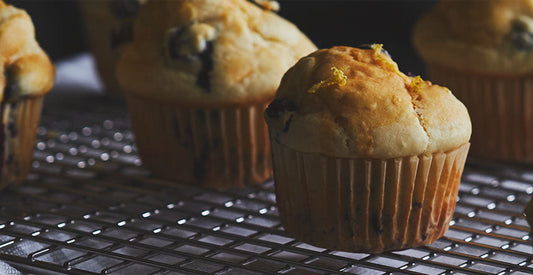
x=59, y=24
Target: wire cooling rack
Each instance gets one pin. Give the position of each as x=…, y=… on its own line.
x=88, y=207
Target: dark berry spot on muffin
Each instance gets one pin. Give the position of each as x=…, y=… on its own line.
x=279, y=106
x=122, y=34
x=124, y=8
x=204, y=76
x=385, y=52
x=369, y=47
x=521, y=34
x=522, y=40
x=175, y=40
x=287, y=124
x=179, y=49
x=417, y=205
x=10, y=90
x=11, y=85
x=342, y=121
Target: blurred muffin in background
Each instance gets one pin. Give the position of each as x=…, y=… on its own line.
x=108, y=25
x=483, y=51
x=26, y=75
x=197, y=78
x=366, y=158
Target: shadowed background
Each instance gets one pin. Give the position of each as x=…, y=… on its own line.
x=326, y=22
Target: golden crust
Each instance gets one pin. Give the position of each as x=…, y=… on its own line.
x=493, y=36
x=378, y=113
x=250, y=50
x=25, y=70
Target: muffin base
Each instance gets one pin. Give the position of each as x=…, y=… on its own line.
x=366, y=205
x=18, y=129
x=217, y=148
x=501, y=110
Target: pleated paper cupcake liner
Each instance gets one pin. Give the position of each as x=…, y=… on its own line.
x=218, y=148
x=366, y=205
x=501, y=110
x=18, y=130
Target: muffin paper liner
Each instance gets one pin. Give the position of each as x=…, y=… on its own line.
x=211, y=147
x=366, y=205
x=501, y=110
x=18, y=129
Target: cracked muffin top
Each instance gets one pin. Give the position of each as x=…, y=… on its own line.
x=493, y=36
x=209, y=52
x=25, y=70
x=350, y=102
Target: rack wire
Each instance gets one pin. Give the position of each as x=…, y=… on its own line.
x=88, y=207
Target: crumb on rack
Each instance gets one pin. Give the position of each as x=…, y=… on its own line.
x=338, y=78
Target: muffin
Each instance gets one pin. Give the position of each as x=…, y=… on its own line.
x=197, y=78
x=483, y=51
x=366, y=158
x=108, y=25
x=26, y=74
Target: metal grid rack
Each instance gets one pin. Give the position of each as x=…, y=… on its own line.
x=88, y=207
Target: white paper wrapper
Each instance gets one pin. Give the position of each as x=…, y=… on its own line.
x=366, y=205
x=218, y=148
x=501, y=110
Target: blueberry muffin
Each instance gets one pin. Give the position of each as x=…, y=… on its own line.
x=26, y=74
x=108, y=25
x=483, y=51
x=197, y=78
x=366, y=158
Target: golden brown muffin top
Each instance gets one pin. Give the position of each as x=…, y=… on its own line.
x=25, y=69
x=484, y=36
x=209, y=52
x=349, y=102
